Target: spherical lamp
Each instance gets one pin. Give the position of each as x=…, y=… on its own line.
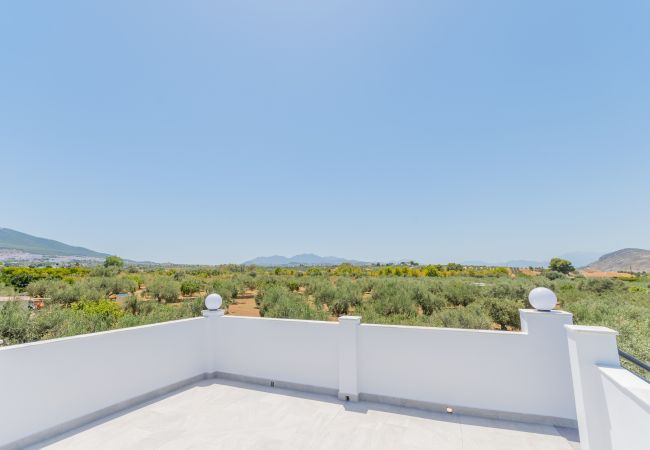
x=213, y=302
x=542, y=299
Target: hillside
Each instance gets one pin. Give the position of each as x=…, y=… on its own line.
x=22, y=242
x=625, y=260
x=306, y=259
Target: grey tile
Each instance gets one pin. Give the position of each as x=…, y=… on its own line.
x=221, y=414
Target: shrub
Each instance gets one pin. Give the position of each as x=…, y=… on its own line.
x=391, y=298
x=132, y=304
x=461, y=294
x=68, y=294
x=137, y=279
x=554, y=275
x=428, y=301
x=45, y=288
x=112, y=285
x=284, y=304
x=266, y=298
x=103, y=271
x=465, y=317
x=104, y=309
x=504, y=312
x=365, y=284
x=15, y=325
x=325, y=293
x=293, y=285
x=600, y=285
x=190, y=285
x=510, y=289
x=21, y=278
x=165, y=289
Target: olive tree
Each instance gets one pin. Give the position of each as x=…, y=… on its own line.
x=561, y=265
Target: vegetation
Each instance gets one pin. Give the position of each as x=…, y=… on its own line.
x=561, y=265
x=113, y=261
x=81, y=300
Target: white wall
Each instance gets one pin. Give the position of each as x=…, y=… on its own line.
x=295, y=351
x=525, y=373
x=628, y=408
x=613, y=404
x=44, y=384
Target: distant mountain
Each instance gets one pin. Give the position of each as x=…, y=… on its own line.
x=511, y=263
x=624, y=260
x=306, y=259
x=15, y=242
x=579, y=259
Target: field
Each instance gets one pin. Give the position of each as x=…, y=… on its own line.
x=82, y=300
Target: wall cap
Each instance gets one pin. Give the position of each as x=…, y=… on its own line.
x=350, y=318
x=554, y=312
x=212, y=312
x=585, y=329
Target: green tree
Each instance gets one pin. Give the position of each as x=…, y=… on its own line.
x=190, y=285
x=113, y=261
x=561, y=265
x=163, y=288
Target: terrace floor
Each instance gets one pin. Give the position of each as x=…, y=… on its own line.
x=222, y=414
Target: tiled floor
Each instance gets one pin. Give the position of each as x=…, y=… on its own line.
x=220, y=414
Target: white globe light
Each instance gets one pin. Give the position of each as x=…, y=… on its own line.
x=213, y=302
x=542, y=299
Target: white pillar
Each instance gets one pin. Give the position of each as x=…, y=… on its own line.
x=588, y=348
x=348, y=344
x=211, y=322
x=547, y=341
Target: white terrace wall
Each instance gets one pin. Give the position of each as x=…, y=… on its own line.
x=628, y=408
x=302, y=353
x=523, y=373
x=613, y=404
x=50, y=386
x=53, y=385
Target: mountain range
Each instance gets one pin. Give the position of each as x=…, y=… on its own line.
x=579, y=259
x=305, y=259
x=21, y=248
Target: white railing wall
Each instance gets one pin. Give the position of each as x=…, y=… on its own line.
x=301, y=353
x=613, y=404
x=49, y=386
x=522, y=373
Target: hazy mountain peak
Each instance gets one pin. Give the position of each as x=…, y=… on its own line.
x=303, y=259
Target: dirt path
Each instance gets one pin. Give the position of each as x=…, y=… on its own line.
x=244, y=305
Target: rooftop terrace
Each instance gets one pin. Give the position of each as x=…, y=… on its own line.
x=229, y=414
x=236, y=382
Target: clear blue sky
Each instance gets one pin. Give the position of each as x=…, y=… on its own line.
x=217, y=131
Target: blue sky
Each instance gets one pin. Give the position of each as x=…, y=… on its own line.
x=217, y=131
